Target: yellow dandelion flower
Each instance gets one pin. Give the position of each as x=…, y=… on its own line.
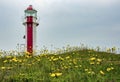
x=27, y=52
x=80, y=65
x=55, y=59
x=52, y=74
x=61, y=58
x=3, y=68
x=55, y=74
x=108, y=69
x=91, y=72
x=67, y=57
x=58, y=74
x=28, y=56
x=98, y=63
x=5, y=61
x=92, y=59
x=38, y=59
x=99, y=60
x=14, y=59
x=74, y=61
x=65, y=67
x=112, y=68
x=76, y=66
x=20, y=61
x=52, y=57
x=101, y=72
x=86, y=69
x=92, y=63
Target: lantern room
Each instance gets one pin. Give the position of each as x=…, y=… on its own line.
x=30, y=12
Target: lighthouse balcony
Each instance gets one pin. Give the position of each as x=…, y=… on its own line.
x=34, y=21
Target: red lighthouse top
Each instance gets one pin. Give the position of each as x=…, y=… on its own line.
x=30, y=7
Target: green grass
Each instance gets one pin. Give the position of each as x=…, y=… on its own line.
x=83, y=65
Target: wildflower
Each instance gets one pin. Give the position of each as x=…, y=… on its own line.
x=14, y=59
x=112, y=68
x=91, y=72
x=55, y=59
x=99, y=60
x=98, y=63
x=92, y=59
x=52, y=57
x=21, y=74
x=86, y=69
x=52, y=75
x=5, y=61
x=27, y=52
x=58, y=74
x=20, y=61
x=38, y=60
x=3, y=68
x=76, y=66
x=80, y=65
x=65, y=67
x=74, y=61
x=28, y=56
x=109, y=69
x=55, y=74
x=67, y=57
x=92, y=63
x=61, y=58
x=101, y=72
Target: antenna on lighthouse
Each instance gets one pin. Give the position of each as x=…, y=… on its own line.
x=30, y=23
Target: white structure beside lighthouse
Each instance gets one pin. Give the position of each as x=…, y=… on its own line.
x=30, y=23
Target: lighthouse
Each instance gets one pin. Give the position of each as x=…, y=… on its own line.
x=30, y=23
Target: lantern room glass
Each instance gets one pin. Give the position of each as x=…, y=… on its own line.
x=31, y=13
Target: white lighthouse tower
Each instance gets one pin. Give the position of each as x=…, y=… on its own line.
x=30, y=22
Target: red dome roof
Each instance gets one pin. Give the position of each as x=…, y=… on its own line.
x=30, y=7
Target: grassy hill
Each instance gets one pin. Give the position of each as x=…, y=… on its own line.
x=83, y=65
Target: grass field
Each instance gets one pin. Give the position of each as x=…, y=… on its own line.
x=78, y=65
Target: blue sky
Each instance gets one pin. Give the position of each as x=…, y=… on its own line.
x=62, y=22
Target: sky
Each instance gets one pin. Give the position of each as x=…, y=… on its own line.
x=62, y=22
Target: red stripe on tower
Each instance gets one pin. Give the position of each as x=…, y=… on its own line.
x=30, y=34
